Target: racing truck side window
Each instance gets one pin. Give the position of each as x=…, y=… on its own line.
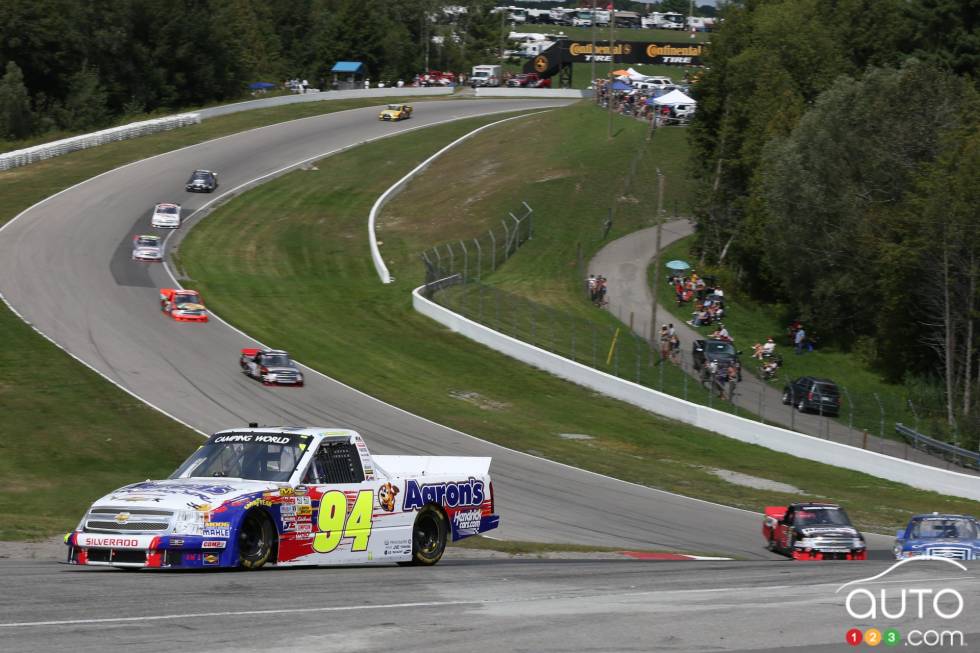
x=338, y=462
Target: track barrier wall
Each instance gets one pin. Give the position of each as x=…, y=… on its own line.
x=772, y=437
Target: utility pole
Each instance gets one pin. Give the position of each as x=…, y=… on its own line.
x=656, y=256
x=503, y=18
x=612, y=65
x=593, y=53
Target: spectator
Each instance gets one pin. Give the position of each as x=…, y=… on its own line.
x=675, y=349
x=769, y=347
x=757, y=351
x=600, y=300
x=721, y=333
x=799, y=340
x=664, y=343
x=731, y=379
x=590, y=283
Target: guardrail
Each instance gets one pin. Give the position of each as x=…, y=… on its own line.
x=504, y=91
x=772, y=437
x=958, y=455
x=123, y=132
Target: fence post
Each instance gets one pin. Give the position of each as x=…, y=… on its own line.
x=438, y=261
x=493, y=252
x=479, y=260
x=850, y=414
x=506, y=240
x=481, y=303
x=881, y=412
x=686, y=375
x=573, y=342
x=595, y=344
x=452, y=258
x=530, y=221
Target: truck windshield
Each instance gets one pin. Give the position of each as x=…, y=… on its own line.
x=821, y=516
x=253, y=456
x=945, y=528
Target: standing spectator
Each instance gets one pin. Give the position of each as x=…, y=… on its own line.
x=732, y=379
x=675, y=349
x=590, y=284
x=799, y=340
x=664, y=343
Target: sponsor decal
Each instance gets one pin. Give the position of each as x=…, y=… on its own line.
x=111, y=541
x=466, y=493
x=122, y=517
x=213, y=544
x=304, y=510
x=217, y=524
x=211, y=559
x=467, y=522
x=286, y=492
x=258, y=502
x=303, y=501
x=386, y=497
x=217, y=532
x=287, y=509
x=176, y=541
x=541, y=63
x=253, y=437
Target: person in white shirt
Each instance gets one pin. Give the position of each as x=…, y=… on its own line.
x=768, y=347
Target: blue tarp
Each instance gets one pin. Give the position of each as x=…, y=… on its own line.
x=621, y=86
x=259, y=85
x=355, y=67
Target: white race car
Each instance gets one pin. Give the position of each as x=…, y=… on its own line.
x=289, y=496
x=147, y=247
x=166, y=216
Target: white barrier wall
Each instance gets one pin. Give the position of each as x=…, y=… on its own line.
x=85, y=141
x=504, y=91
x=321, y=96
x=738, y=428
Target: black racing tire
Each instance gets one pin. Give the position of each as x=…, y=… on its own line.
x=429, y=534
x=255, y=539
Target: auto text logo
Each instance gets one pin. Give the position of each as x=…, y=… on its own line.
x=925, y=609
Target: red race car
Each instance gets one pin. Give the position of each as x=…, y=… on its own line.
x=813, y=531
x=183, y=305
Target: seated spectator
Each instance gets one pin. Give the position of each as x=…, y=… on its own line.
x=721, y=333
x=757, y=351
x=769, y=347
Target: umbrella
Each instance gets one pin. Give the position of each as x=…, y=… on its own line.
x=678, y=265
x=260, y=85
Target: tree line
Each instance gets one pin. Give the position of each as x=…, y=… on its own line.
x=837, y=146
x=75, y=66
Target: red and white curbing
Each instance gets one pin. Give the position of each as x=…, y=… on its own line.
x=647, y=555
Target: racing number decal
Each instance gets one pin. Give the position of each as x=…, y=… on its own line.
x=335, y=523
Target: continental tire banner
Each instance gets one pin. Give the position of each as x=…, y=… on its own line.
x=625, y=52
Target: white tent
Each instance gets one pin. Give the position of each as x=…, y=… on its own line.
x=635, y=76
x=673, y=98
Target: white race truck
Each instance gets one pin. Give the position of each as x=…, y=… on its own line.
x=289, y=496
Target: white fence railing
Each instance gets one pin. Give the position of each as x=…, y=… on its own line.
x=738, y=428
x=123, y=132
x=504, y=91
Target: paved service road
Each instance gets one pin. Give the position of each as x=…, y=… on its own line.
x=624, y=263
x=64, y=266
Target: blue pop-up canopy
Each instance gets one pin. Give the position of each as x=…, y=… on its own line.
x=619, y=85
x=355, y=67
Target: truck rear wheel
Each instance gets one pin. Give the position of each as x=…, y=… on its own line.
x=429, y=536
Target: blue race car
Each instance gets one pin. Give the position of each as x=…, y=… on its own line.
x=943, y=536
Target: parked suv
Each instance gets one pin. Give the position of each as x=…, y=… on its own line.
x=721, y=351
x=810, y=393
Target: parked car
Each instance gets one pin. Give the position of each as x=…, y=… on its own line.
x=939, y=535
x=812, y=393
x=720, y=351
x=812, y=531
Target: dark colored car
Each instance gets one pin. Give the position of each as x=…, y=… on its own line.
x=202, y=181
x=722, y=351
x=813, y=394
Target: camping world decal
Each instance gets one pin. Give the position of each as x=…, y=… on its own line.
x=466, y=493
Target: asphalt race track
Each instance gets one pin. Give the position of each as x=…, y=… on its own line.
x=64, y=266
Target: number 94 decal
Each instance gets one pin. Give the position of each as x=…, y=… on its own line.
x=334, y=522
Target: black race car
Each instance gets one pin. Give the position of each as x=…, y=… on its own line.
x=202, y=181
x=722, y=351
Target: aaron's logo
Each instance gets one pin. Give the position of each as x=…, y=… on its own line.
x=541, y=63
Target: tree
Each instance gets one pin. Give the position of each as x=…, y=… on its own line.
x=85, y=106
x=16, y=117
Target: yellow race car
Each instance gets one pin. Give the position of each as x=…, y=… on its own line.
x=396, y=112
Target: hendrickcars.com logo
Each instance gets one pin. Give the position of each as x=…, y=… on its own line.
x=926, y=609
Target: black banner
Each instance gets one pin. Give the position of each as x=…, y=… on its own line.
x=624, y=52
